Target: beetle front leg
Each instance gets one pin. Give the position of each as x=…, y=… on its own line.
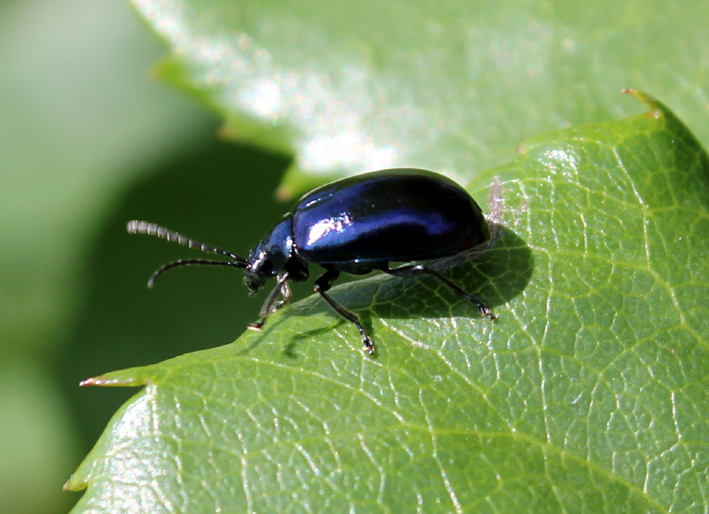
x=272, y=304
x=322, y=285
x=416, y=270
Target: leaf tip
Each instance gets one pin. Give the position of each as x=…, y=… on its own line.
x=74, y=484
x=88, y=382
x=115, y=379
x=102, y=380
x=657, y=109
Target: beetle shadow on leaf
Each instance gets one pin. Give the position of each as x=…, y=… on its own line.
x=495, y=276
x=291, y=342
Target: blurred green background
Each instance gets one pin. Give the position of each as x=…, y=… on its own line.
x=88, y=141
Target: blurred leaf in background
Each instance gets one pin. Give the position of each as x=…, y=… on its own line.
x=78, y=121
x=452, y=87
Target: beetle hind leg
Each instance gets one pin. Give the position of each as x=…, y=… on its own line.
x=322, y=285
x=417, y=270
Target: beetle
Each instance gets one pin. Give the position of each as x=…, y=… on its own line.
x=355, y=225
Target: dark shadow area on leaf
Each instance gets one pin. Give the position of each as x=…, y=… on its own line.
x=291, y=346
x=289, y=350
x=495, y=276
x=220, y=194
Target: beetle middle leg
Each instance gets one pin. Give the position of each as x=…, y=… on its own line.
x=322, y=285
x=417, y=270
x=272, y=304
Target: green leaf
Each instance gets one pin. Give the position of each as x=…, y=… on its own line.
x=353, y=87
x=589, y=394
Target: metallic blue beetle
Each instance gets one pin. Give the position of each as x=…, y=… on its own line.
x=355, y=225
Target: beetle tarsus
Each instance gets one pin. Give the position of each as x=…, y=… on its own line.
x=367, y=342
x=485, y=311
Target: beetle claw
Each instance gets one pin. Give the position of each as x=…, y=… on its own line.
x=486, y=311
x=257, y=326
x=368, y=346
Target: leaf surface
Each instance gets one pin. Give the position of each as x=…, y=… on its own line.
x=589, y=394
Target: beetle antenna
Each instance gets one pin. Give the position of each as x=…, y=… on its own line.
x=151, y=229
x=190, y=262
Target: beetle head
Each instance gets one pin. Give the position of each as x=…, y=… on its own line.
x=275, y=256
x=259, y=269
